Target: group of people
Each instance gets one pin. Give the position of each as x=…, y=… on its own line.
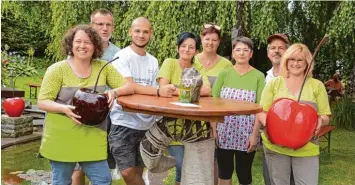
x=74, y=149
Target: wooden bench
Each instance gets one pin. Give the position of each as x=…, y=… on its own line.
x=325, y=132
x=33, y=90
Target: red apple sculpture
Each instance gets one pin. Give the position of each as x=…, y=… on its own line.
x=14, y=107
x=90, y=105
x=290, y=123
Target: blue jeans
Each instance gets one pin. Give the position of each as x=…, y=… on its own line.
x=97, y=171
x=177, y=151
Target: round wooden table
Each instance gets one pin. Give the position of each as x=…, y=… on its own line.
x=198, y=156
x=209, y=108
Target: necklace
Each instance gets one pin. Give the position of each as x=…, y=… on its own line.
x=210, y=62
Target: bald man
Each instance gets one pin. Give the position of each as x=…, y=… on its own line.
x=128, y=129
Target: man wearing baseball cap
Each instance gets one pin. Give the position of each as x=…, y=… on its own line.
x=277, y=45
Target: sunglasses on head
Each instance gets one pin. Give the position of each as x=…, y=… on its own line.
x=212, y=25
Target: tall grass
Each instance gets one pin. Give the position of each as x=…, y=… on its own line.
x=344, y=113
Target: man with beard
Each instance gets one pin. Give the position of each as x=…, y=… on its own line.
x=277, y=45
x=128, y=129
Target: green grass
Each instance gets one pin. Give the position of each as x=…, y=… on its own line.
x=21, y=83
x=335, y=169
x=338, y=168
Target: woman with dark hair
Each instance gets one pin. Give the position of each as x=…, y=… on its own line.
x=170, y=73
x=238, y=135
x=65, y=140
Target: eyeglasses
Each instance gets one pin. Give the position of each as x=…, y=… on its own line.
x=298, y=60
x=212, y=25
x=239, y=50
x=100, y=25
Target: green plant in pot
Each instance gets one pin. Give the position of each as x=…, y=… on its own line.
x=91, y=105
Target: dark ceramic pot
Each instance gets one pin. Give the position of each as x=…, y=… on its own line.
x=92, y=107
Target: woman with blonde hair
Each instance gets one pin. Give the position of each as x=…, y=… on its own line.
x=304, y=161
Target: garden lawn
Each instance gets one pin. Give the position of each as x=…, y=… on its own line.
x=338, y=168
x=21, y=83
x=335, y=169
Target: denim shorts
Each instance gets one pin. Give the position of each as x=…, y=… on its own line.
x=177, y=151
x=97, y=171
x=124, y=146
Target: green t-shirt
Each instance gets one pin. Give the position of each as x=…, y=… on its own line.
x=171, y=70
x=313, y=91
x=62, y=139
x=235, y=131
x=253, y=81
x=213, y=71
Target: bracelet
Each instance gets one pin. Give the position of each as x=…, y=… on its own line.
x=158, y=92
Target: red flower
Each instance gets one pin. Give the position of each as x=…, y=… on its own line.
x=6, y=61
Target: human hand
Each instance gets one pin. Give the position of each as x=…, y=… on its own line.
x=68, y=110
x=262, y=118
x=214, y=133
x=167, y=90
x=252, y=142
x=319, y=125
x=111, y=95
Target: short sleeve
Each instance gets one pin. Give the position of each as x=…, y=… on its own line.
x=165, y=70
x=267, y=96
x=51, y=83
x=260, y=87
x=122, y=64
x=218, y=84
x=322, y=100
x=114, y=78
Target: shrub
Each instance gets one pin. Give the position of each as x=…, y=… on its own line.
x=344, y=113
x=20, y=65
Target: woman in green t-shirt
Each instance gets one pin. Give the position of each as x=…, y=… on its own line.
x=238, y=135
x=170, y=73
x=303, y=161
x=65, y=140
x=210, y=60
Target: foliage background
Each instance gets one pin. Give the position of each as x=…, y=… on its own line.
x=41, y=25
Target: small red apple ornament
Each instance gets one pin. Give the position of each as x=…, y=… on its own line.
x=14, y=107
x=90, y=105
x=290, y=123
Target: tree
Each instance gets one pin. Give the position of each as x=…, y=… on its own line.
x=302, y=21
